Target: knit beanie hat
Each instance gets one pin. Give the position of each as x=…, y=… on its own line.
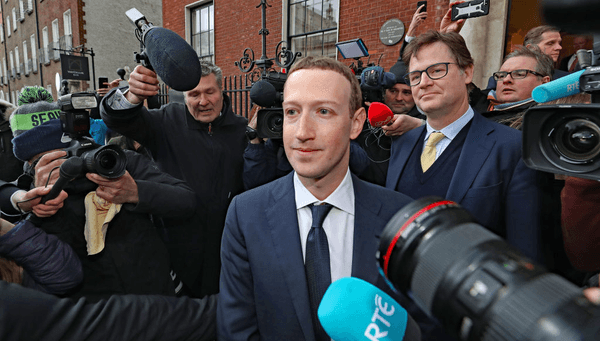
x=32, y=94
x=36, y=128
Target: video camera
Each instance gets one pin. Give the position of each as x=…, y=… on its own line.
x=474, y=283
x=565, y=138
x=268, y=93
x=108, y=161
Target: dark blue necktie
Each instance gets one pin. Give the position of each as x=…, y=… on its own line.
x=318, y=273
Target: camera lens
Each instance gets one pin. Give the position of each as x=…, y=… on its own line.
x=475, y=284
x=275, y=123
x=577, y=140
x=107, y=160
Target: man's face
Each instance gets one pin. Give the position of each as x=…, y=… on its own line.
x=317, y=124
x=399, y=98
x=205, y=101
x=447, y=95
x=550, y=44
x=513, y=90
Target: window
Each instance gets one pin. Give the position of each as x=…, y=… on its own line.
x=14, y=16
x=44, y=56
x=66, y=41
x=34, y=61
x=29, y=6
x=17, y=59
x=12, y=64
x=1, y=35
x=54, y=53
x=313, y=27
x=5, y=70
x=21, y=10
x=26, y=59
x=8, y=25
x=203, y=31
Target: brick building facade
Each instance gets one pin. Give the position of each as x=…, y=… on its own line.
x=32, y=30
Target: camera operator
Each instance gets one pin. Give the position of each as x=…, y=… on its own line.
x=106, y=221
x=202, y=143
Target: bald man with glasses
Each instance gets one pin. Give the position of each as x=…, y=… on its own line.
x=460, y=155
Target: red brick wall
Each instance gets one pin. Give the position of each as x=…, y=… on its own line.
x=237, y=23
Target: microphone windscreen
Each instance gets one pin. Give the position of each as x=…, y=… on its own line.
x=379, y=114
x=263, y=93
x=173, y=59
x=353, y=309
x=562, y=87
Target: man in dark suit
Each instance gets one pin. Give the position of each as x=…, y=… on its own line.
x=268, y=273
x=460, y=155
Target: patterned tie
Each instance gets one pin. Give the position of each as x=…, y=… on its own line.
x=428, y=156
x=318, y=273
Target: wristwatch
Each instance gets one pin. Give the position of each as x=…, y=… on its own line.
x=251, y=133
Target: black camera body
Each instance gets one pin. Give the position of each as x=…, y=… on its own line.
x=108, y=161
x=373, y=82
x=268, y=93
x=563, y=139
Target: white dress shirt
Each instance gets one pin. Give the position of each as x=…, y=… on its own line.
x=450, y=131
x=338, y=225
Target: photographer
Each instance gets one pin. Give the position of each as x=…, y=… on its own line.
x=106, y=221
x=202, y=143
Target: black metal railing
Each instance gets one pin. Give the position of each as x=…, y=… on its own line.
x=238, y=90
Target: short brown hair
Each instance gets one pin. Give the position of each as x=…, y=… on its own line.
x=326, y=63
x=534, y=36
x=455, y=42
x=544, y=63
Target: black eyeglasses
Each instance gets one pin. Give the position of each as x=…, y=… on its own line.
x=515, y=74
x=435, y=71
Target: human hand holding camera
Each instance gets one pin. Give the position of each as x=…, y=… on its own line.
x=143, y=83
x=118, y=191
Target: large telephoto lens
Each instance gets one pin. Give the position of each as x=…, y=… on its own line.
x=474, y=283
x=108, y=161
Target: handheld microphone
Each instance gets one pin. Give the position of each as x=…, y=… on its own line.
x=380, y=114
x=355, y=310
x=559, y=88
x=263, y=93
x=169, y=55
x=69, y=170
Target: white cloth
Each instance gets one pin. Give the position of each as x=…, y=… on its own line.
x=338, y=225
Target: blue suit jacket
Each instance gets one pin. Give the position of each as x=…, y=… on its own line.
x=264, y=293
x=490, y=181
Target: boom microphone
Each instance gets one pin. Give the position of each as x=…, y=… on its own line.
x=379, y=114
x=171, y=57
x=355, y=310
x=263, y=93
x=559, y=88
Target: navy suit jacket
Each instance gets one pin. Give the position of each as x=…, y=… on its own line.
x=264, y=294
x=490, y=181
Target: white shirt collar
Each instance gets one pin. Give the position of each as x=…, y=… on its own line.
x=342, y=198
x=450, y=131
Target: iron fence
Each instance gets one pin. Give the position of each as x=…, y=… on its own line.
x=238, y=90
x=236, y=87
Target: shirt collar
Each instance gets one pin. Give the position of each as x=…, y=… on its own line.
x=450, y=131
x=342, y=198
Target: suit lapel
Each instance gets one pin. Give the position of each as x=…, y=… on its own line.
x=476, y=149
x=365, y=232
x=283, y=223
x=402, y=147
